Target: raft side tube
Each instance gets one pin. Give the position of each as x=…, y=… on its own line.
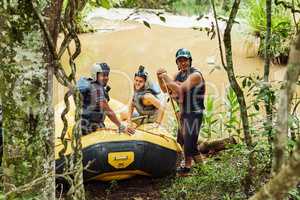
x=120, y=160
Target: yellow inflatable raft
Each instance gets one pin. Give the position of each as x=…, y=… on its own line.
x=151, y=151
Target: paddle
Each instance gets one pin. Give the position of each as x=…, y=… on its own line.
x=173, y=104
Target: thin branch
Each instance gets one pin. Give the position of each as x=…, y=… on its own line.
x=219, y=35
x=27, y=186
x=287, y=5
x=65, y=44
x=60, y=73
x=44, y=27
x=294, y=18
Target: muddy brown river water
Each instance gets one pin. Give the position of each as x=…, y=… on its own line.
x=126, y=45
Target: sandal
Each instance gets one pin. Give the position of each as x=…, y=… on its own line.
x=183, y=171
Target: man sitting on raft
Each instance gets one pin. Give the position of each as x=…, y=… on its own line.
x=146, y=100
x=95, y=101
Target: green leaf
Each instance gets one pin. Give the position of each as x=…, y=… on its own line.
x=256, y=107
x=200, y=17
x=244, y=82
x=266, y=98
x=105, y=3
x=147, y=24
x=162, y=19
x=249, y=83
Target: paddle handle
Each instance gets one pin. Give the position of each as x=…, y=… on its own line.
x=173, y=104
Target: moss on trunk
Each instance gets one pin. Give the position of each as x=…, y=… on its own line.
x=26, y=93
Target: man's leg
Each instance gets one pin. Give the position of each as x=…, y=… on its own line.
x=184, y=140
x=192, y=124
x=195, y=135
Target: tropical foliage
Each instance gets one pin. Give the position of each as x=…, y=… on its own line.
x=281, y=28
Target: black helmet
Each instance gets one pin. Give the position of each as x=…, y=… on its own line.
x=141, y=73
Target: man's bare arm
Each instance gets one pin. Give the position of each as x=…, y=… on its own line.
x=130, y=111
x=110, y=113
x=150, y=99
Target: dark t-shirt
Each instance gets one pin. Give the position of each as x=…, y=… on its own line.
x=193, y=101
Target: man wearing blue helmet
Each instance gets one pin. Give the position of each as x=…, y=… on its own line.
x=187, y=87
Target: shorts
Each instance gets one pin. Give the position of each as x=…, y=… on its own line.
x=88, y=126
x=187, y=136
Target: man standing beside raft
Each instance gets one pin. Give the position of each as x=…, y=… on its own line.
x=188, y=89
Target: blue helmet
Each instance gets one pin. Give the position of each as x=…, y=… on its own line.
x=183, y=53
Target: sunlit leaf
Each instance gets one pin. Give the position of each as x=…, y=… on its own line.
x=104, y=3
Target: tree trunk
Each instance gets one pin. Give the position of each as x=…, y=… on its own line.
x=236, y=88
x=26, y=92
x=288, y=178
x=281, y=135
x=267, y=101
x=289, y=174
x=240, y=95
x=267, y=40
x=213, y=147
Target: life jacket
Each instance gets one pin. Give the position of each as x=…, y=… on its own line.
x=142, y=109
x=90, y=110
x=84, y=86
x=193, y=100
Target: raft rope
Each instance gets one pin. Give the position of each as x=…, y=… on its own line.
x=142, y=130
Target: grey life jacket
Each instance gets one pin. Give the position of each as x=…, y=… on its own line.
x=150, y=88
x=90, y=110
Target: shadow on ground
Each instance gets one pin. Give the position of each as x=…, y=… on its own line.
x=138, y=188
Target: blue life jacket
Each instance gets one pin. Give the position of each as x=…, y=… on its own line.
x=84, y=86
